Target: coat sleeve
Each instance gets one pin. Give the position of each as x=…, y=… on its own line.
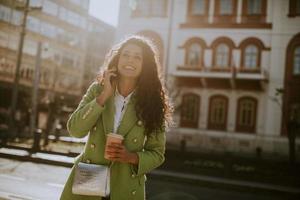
x=86, y=114
x=153, y=154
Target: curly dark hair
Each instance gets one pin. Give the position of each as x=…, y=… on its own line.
x=153, y=106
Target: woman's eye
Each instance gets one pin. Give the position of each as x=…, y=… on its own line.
x=137, y=57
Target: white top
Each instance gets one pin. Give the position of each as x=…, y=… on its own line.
x=120, y=105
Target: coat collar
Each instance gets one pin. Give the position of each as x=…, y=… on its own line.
x=128, y=120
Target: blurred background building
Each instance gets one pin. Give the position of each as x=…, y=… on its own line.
x=99, y=40
x=74, y=45
x=235, y=65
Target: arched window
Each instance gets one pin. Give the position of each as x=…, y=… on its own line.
x=222, y=56
x=217, y=117
x=194, y=52
x=296, y=67
x=251, y=57
x=222, y=53
x=291, y=98
x=190, y=110
x=246, y=115
x=251, y=49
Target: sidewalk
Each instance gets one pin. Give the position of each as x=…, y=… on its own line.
x=206, y=181
x=9, y=196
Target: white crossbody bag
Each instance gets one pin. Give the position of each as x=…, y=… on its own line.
x=91, y=180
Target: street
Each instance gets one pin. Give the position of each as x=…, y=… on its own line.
x=30, y=180
x=26, y=180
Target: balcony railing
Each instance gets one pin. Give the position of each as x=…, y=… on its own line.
x=224, y=73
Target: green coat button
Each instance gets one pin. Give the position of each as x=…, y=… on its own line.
x=140, y=123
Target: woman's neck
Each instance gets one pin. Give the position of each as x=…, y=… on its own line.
x=126, y=86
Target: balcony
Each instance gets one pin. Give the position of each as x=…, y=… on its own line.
x=222, y=78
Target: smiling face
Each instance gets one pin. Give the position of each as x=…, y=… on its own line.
x=130, y=61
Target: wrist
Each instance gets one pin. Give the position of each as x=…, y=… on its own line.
x=101, y=99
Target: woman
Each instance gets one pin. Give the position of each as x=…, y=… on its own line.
x=129, y=99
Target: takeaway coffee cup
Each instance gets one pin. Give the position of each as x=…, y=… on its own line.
x=112, y=138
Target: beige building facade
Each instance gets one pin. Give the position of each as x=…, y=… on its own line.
x=230, y=60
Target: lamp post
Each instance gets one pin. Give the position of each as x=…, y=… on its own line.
x=169, y=39
x=35, y=90
x=26, y=8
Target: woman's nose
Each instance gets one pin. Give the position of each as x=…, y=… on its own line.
x=130, y=59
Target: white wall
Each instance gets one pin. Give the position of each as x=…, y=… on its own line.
x=268, y=122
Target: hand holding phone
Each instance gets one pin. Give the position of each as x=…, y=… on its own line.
x=114, y=78
x=108, y=83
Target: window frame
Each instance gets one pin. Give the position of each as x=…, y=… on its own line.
x=294, y=53
x=211, y=125
x=217, y=54
x=257, y=58
x=254, y=18
x=189, y=123
x=33, y=24
x=5, y=13
x=243, y=68
x=245, y=128
x=192, y=18
x=188, y=52
x=136, y=13
x=293, y=9
x=261, y=47
x=214, y=46
x=225, y=18
x=51, y=7
x=191, y=8
x=291, y=83
x=186, y=47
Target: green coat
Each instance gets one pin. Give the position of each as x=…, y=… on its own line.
x=127, y=180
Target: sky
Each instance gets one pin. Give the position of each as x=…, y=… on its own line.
x=106, y=10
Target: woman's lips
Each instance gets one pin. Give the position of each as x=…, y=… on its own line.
x=129, y=67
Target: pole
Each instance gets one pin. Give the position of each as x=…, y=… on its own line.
x=35, y=88
x=169, y=40
x=18, y=65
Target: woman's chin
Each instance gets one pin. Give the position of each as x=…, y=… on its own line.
x=129, y=75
